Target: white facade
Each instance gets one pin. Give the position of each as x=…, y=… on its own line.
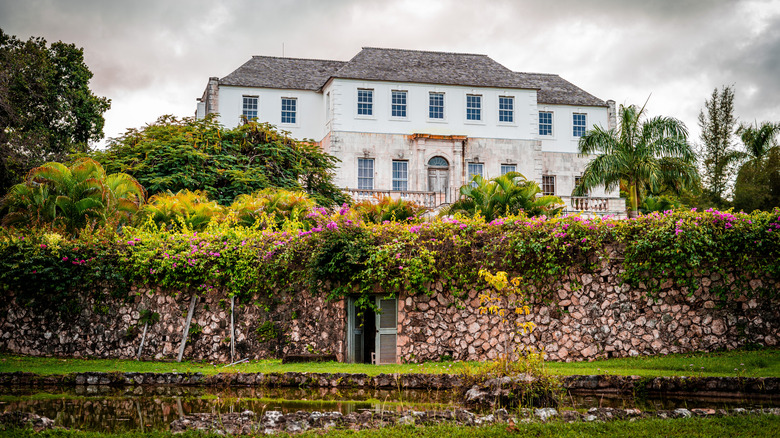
x=310, y=117
x=387, y=132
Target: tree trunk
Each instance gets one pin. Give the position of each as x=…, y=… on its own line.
x=186, y=333
x=633, y=193
x=143, y=338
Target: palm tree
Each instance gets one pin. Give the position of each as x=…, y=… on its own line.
x=384, y=208
x=71, y=197
x=507, y=194
x=756, y=176
x=192, y=208
x=643, y=153
x=280, y=205
x=758, y=139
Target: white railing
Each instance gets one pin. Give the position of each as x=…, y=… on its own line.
x=426, y=199
x=600, y=206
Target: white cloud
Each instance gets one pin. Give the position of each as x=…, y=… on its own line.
x=154, y=57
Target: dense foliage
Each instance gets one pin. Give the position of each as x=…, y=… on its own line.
x=201, y=155
x=644, y=153
x=46, y=107
x=758, y=180
x=504, y=195
x=385, y=209
x=340, y=254
x=72, y=197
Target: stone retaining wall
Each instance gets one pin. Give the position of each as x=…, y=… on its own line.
x=111, y=329
x=591, y=316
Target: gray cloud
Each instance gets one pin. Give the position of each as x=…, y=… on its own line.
x=154, y=57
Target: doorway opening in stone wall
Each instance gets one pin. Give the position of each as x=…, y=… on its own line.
x=371, y=336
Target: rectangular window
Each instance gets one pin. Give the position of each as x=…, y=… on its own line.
x=506, y=168
x=365, y=102
x=365, y=174
x=506, y=109
x=577, y=181
x=398, y=105
x=400, y=176
x=249, y=109
x=473, y=170
x=289, y=106
x=545, y=123
x=579, y=123
x=473, y=107
x=436, y=106
x=548, y=184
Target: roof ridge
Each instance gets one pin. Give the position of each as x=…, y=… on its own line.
x=427, y=51
x=297, y=59
x=534, y=73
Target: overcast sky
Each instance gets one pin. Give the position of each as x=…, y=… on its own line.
x=154, y=57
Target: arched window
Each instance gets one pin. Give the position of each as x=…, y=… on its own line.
x=438, y=161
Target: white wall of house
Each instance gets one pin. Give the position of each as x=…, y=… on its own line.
x=344, y=113
x=383, y=149
x=562, y=138
x=310, y=119
x=331, y=116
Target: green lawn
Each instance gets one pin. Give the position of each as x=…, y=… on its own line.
x=752, y=426
x=760, y=363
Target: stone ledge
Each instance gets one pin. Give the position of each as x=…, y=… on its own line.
x=248, y=422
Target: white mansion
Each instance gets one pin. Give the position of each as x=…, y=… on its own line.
x=421, y=124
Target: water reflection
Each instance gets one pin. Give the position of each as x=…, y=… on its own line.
x=101, y=408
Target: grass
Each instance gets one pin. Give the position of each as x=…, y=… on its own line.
x=752, y=426
x=757, y=363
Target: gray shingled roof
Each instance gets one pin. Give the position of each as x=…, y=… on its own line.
x=553, y=90
x=396, y=65
x=417, y=66
x=288, y=73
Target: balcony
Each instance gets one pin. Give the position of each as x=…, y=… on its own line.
x=426, y=199
x=594, y=206
x=586, y=205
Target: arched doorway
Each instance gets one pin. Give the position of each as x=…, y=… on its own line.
x=439, y=177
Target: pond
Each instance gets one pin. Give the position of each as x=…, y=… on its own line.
x=102, y=408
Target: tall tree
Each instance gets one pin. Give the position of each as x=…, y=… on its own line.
x=758, y=179
x=46, y=107
x=642, y=153
x=718, y=157
x=201, y=155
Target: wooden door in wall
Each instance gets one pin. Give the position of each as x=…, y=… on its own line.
x=438, y=181
x=386, y=330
